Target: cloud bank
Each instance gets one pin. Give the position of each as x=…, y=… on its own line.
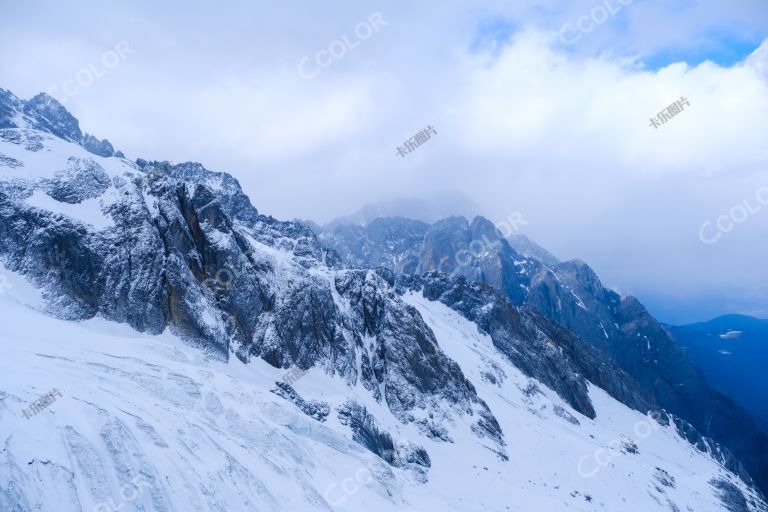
x=527, y=120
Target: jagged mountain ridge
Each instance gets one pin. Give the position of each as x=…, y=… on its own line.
x=571, y=294
x=46, y=114
x=176, y=247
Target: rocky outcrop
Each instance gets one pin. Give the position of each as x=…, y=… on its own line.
x=367, y=433
x=315, y=409
x=539, y=347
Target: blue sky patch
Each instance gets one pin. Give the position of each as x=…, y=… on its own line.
x=722, y=50
x=492, y=35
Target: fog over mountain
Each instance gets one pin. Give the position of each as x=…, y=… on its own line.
x=525, y=121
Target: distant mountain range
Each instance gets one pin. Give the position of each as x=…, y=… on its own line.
x=571, y=294
x=732, y=351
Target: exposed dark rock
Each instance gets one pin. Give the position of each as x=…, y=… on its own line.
x=50, y=116
x=629, y=447
x=731, y=496
x=718, y=452
x=665, y=479
x=567, y=416
x=7, y=161
x=312, y=408
x=83, y=179
x=30, y=139
x=537, y=346
x=487, y=426
x=99, y=147
x=530, y=249
x=392, y=243
x=188, y=252
x=366, y=432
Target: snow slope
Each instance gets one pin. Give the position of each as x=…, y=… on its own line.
x=148, y=423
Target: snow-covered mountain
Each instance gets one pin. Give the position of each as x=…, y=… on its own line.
x=571, y=294
x=127, y=287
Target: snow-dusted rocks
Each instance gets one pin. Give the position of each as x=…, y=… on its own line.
x=45, y=114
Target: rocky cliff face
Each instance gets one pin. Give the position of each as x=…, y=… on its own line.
x=536, y=345
x=160, y=246
x=554, y=356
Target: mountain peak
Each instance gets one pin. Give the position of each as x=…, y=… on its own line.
x=45, y=113
x=43, y=98
x=50, y=116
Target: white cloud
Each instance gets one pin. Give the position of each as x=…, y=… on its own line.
x=558, y=132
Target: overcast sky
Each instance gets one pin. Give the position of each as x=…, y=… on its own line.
x=541, y=108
